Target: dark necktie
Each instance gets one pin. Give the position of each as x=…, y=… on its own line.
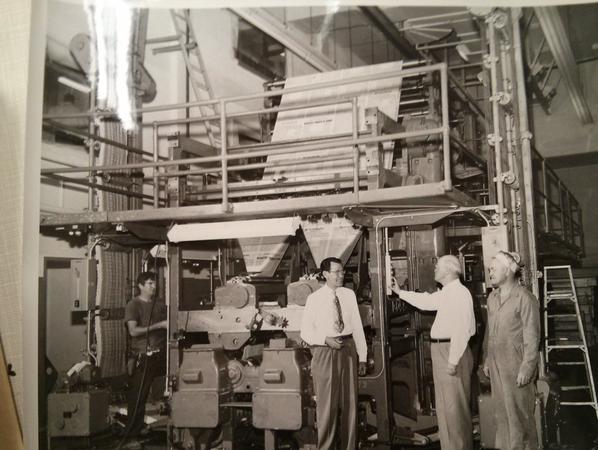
x=339, y=325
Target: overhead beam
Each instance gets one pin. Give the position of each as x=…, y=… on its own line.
x=381, y=21
x=287, y=35
x=560, y=46
x=573, y=160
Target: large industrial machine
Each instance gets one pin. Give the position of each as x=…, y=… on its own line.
x=387, y=167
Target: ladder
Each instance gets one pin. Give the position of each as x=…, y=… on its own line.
x=566, y=350
x=198, y=78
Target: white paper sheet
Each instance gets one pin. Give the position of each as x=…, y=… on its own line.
x=333, y=119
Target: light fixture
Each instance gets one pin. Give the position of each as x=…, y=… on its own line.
x=74, y=85
x=463, y=51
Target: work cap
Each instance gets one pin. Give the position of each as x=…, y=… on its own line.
x=510, y=260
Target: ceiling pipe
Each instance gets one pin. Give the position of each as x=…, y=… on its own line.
x=560, y=46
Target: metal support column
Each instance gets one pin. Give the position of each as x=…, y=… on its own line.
x=377, y=384
x=174, y=274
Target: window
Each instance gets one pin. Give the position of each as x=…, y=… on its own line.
x=259, y=53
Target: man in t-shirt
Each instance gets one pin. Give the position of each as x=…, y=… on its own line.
x=146, y=322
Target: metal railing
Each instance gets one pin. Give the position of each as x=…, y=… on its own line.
x=227, y=153
x=557, y=210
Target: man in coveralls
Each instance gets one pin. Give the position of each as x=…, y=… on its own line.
x=512, y=341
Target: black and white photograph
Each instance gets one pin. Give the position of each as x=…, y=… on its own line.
x=272, y=225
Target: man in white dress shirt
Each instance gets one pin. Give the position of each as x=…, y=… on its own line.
x=332, y=327
x=452, y=361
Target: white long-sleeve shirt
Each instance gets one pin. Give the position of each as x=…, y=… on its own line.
x=454, y=318
x=319, y=315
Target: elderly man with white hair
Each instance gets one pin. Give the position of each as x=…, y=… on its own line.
x=512, y=340
x=452, y=361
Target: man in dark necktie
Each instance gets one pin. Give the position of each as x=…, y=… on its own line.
x=333, y=329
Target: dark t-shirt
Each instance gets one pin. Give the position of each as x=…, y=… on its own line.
x=139, y=311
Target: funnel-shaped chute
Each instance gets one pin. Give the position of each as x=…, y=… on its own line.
x=336, y=237
x=262, y=255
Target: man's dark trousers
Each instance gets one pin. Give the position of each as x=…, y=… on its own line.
x=334, y=374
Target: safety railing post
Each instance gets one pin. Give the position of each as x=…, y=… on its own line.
x=545, y=187
x=355, y=128
x=156, y=154
x=561, y=208
x=223, y=158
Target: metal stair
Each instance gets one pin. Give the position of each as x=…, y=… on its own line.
x=187, y=43
x=566, y=350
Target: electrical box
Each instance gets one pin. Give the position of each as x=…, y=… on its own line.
x=78, y=413
x=83, y=284
x=494, y=239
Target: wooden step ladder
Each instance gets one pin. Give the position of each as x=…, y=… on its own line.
x=565, y=347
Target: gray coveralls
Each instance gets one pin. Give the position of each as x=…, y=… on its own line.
x=513, y=338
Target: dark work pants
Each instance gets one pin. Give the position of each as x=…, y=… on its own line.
x=452, y=393
x=140, y=388
x=334, y=374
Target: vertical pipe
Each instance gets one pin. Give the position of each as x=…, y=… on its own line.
x=155, y=169
x=545, y=188
x=512, y=196
x=526, y=185
x=168, y=321
x=93, y=130
x=509, y=132
x=91, y=160
x=485, y=127
x=448, y=185
x=355, y=129
x=129, y=200
x=223, y=160
x=88, y=336
x=496, y=123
